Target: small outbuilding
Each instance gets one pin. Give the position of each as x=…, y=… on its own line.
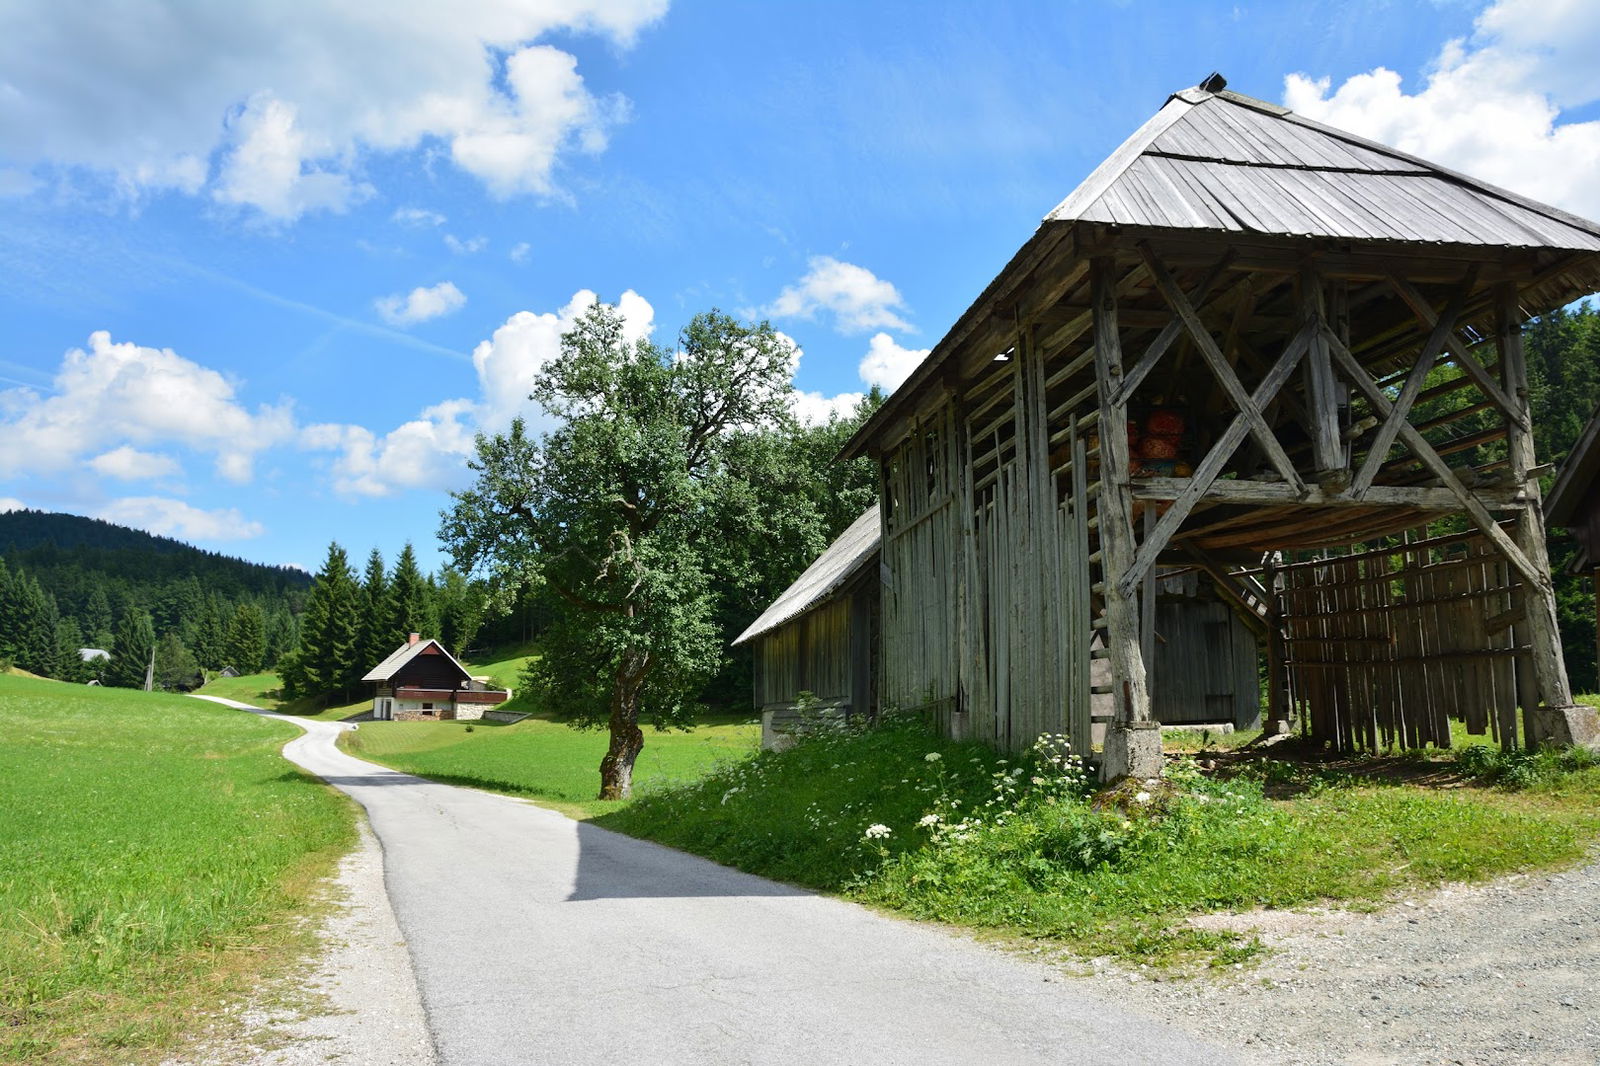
x=820, y=636
x=421, y=680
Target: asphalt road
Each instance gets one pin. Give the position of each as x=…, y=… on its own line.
x=538, y=939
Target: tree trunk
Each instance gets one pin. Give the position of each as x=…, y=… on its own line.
x=627, y=739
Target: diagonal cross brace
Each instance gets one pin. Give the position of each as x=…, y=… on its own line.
x=1462, y=358
x=1169, y=333
x=1218, y=363
x=1424, y=451
x=1212, y=464
x=1390, y=429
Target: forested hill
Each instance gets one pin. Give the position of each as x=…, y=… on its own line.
x=68, y=582
x=52, y=546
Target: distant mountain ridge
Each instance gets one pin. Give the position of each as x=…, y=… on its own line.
x=46, y=541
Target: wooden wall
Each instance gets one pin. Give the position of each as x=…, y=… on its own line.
x=812, y=653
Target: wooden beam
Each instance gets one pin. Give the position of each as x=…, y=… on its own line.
x=1458, y=351
x=1514, y=372
x=1169, y=333
x=1322, y=394
x=1532, y=574
x=1218, y=363
x=1205, y=475
x=1277, y=494
x=1114, y=508
x=1390, y=429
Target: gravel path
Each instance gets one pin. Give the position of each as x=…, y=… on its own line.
x=1502, y=972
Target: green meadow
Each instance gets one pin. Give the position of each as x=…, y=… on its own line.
x=152, y=848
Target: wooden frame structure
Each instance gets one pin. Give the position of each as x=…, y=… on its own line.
x=1289, y=294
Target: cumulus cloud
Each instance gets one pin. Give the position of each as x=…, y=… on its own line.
x=175, y=518
x=813, y=408
x=856, y=298
x=11, y=503
x=1490, y=105
x=269, y=166
x=421, y=304
x=288, y=108
x=131, y=464
x=430, y=451
x=886, y=364
x=114, y=394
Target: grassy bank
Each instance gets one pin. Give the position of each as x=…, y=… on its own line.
x=543, y=760
x=952, y=832
x=151, y=849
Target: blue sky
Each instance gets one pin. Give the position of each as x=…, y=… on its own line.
x=264, y=280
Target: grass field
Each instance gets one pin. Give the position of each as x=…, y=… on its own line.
x=952, y=832
x=544, y=760
x=151, y=848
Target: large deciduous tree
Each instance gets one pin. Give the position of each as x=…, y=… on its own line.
x=613, y=513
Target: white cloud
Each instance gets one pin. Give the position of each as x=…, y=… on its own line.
x=813, y=408
x=269, y=166
x=421, y=304
x=519, y=252
x=151, y=95
x=113, y=394
x=1491, y=104
x=11, y=503
x=174, y=518
x=417, y=216
x=131, y=464
x=467, y=247
x=430, y=451
x=886, y=364
x=857, y=298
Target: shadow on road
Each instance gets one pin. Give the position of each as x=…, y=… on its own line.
x=613, y=866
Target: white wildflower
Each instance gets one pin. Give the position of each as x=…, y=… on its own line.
x=1143, y=797
x=877, y=831
x=928, y=820
x=932, y=756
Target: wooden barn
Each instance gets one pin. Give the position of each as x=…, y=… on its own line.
x=1220, y=352
x=421, y=680
x=820, y=636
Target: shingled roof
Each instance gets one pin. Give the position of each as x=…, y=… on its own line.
x=1215, y=163
x=1225, y=162
x=845, y=557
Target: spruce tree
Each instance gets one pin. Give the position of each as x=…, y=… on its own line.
x=246, y=646
x=96, y=619
x=376, y=637
x=413, y=607
x=325, y=661
x=135, y=639
x=69, y=656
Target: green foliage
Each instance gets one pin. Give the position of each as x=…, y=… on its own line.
x=1523, y=769
x=460, y=611
x=613, y=513
x=411, y=601
x=325, y=661
x=112, y=876
x=131, y=651
x=375, y=637
x=246, y=642
x=901, y=818
x=175, y=669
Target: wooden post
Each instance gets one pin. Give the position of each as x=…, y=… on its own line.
x=1277, y=709
x=1133, y=743
x=1322, y=394
x=1558, y=721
